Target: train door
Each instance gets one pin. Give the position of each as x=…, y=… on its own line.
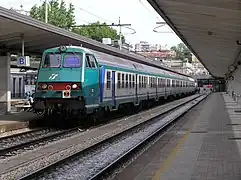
x=92, y=89
x=136, y=88
x=113, y=88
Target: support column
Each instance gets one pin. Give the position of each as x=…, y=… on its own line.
x=5, y=91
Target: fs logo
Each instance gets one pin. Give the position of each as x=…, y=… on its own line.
x=53, y=76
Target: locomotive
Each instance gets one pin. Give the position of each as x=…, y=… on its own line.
x=76, y=81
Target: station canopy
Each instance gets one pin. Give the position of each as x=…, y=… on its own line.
x=39, y=36
x=210, y=28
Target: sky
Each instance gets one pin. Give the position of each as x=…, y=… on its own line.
x=138, y=13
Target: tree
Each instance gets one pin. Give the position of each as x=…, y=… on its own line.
x=182, y=52
x=96, y=32
x=58, y=14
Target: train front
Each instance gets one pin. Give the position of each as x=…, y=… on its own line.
x=58, y=86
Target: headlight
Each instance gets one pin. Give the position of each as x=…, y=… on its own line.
x=74, y=86
x=44, y=86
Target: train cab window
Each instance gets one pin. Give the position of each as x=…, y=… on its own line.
x=108, y=80
x=118, y=80
x=126, y=80
x=73, y=60
x=130, y=82
x=142, y=81
x=123, y=81
x=51, y=60
x=90, y=60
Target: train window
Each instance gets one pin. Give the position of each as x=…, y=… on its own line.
x=51, y=60
x=130, y=81
x=118, y=80
x=139, y=81
x=72, y=60
x=142, y=81
x=87, y=63
x=126, y=80
x=145, y=82
x=133, y=80
x=173, y=83
x=91, y=60
x=168, y=83
x=108, y=80
x=150, y=82
x=122, y=80
x=163, y=83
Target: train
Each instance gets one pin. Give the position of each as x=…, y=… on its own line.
x=76, y=81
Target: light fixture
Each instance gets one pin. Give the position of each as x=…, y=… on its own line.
x=231, y=78
x=44, y=86
x=62, y=48
x=74, y=86
x=231, y=68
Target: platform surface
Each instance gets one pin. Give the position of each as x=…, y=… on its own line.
x=207, y=147
x=16, y=120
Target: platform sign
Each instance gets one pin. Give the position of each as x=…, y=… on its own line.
x=23, y=61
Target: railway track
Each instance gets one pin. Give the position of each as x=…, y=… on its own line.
x=19, y=143
x=96, y=161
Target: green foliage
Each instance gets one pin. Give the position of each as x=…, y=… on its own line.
x=61, y=16
x=182, y=52
x=58, y=14
x=97, y=32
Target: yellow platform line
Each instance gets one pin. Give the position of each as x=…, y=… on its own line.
x=171, y=156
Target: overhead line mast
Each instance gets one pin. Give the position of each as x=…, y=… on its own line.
x=109, y=25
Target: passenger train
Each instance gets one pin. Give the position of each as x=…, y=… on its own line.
x=78, y=81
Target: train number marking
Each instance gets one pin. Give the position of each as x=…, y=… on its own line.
x=53, y=76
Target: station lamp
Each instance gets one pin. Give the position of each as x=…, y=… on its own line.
x=231, y=68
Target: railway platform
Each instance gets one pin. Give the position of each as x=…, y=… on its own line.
x=206, y=147
x=15, y=120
